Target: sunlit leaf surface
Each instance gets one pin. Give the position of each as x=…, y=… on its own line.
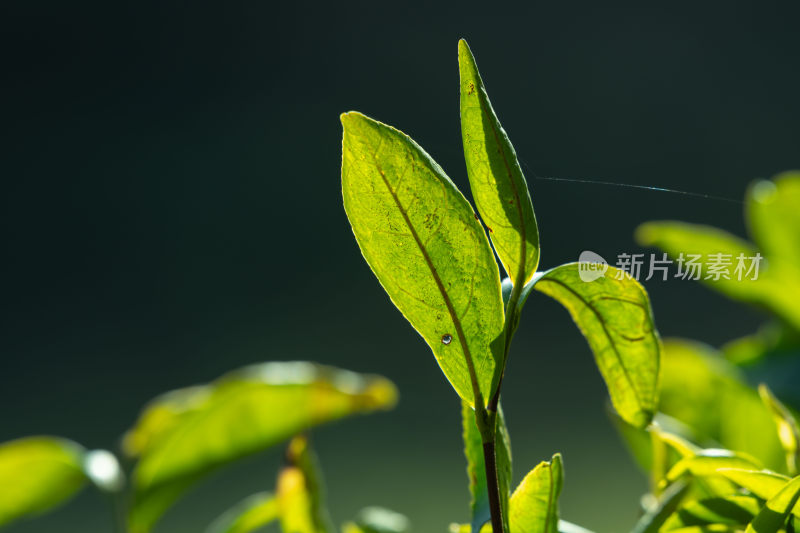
x=422, y=240
x=534, y=504
x=498, y=184
x=615, y=317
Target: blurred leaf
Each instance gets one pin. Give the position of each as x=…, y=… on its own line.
x=761, y=483
x=729, y=510
x=654, y=518
x=243, y=412
x=788, y=431
x=773, y=214
x=37, y=474
x=300, y=492
x=705, y=392
x=777, y=287
x=707, y=462
x=615, y=317
x=534, y=504
x=774, y=515
x=498, y=185
x=656, y=448
x=247, y=516
x=422, y=240
x=480, y=512
x=378, y=520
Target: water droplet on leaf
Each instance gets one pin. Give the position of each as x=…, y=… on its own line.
x=447, y=338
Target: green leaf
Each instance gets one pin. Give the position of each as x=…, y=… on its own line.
x=774, y=217
x=652, y=520
x=762, y=483
x=422, y=240
x=247, y=516
x=300, y=492
x=708, y=394
x=773, y=516
x=776, y=288
x=788, y=431
x=707, y=462
x=480, y=512
x=37, y=474
x=243, y=412
x=378, y=520
x=615, y=317
x=498, y=184
x=534, y=504
x=729, y=510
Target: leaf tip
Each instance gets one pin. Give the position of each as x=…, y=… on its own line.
x=646, y=234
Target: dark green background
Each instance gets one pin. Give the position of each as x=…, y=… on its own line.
x=171, y=209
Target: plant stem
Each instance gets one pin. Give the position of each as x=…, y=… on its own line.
x=487, y=425
x=492, y=486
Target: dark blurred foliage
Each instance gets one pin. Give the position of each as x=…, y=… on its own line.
x=171, y=209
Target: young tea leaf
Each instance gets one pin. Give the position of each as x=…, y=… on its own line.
x=422, y=240
x=534, y=504
x=498, y=184
x=243, y=412
x=37, y=474
x=613, y=313
x=249, y=515
x=476, y=467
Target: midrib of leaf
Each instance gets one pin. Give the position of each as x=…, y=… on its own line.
x=605, y=329
x=517, y=204
x=450, y=309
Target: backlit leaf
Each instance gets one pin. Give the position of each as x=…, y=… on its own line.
x=422, y=240
x=300, y=493
x=37, y=474
x=498, y=184
x=243, y=412
x=534, y=504
x=777, y=286
x=615, y=317
x=708, y=394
